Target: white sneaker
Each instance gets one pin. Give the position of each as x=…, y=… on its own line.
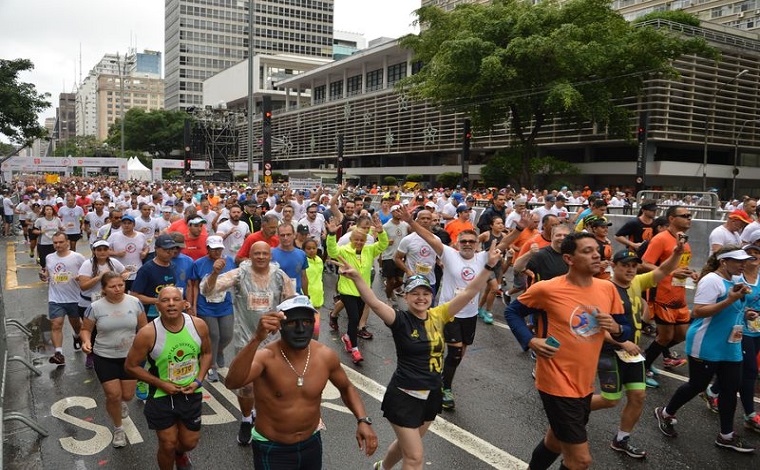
x=124, y=410
x=119, y=438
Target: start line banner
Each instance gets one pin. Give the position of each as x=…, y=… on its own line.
x=304, y=183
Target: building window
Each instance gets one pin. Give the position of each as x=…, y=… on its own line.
x=354, y=85
x=336, y=90
x=375, y=80
x=396, y=72
x=319, y=94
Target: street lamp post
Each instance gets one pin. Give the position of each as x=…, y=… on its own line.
x=708, y=115
x=736, y=155
x=251, y=102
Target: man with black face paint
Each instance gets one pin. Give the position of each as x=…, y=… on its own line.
x=288, y=377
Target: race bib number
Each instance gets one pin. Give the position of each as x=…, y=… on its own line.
x=61, y=277
x=259, y=300
x=183, y=371
x=70, y=225
x=50, y=233
x=754, y=325
x=422, y=268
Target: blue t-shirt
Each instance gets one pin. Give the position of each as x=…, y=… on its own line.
x=201, y=268
x=292, y=262
x=711, y=338
x=149, y=281
x=384, y=218
x=183, y=265
x=752, y=302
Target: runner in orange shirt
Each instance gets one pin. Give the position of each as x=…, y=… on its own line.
x=573, y=313
x=460, y=224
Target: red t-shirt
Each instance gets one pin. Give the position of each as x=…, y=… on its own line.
x=245, y=250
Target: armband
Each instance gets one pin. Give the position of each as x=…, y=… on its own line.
x=200, y=384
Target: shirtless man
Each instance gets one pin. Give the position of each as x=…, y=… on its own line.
x=288, y=377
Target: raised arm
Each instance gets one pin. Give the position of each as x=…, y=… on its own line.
x=431, y=239
x=463, y=298
x=383, y=310
x=244, y=368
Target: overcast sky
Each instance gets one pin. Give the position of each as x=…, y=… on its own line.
x=51, y=32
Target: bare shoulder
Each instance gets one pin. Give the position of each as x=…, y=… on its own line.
x=326, y=355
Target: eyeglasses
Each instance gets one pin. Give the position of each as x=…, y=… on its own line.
x=683, y=216
x=465, y=242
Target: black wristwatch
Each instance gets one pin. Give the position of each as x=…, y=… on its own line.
x=365, y=419
x=490, y=268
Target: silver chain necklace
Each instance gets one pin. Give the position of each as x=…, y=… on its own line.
x=299, y=380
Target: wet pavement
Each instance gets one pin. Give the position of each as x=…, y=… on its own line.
x=497, y=422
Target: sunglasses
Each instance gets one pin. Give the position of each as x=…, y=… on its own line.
x=683, y=216
x=467, y=242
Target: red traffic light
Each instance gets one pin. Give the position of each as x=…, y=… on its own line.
x=268, y=114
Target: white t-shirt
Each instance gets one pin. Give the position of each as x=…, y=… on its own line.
x=96, y=222
x=8, y=206
x=457, y=274
x=116, y=324
x=396, y=233
x=209, y=218
x=63, y=287
x=23, y=209
x=236, y=238
x=94, y=292
x=133, y=246
x=512, y=219
x=47, y=229
x=147, y=228
x=71, y=217
x=722, y=236
x=315, y=228
x=420, y=256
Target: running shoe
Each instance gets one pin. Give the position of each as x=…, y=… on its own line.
x=752, y=422
x=58, y=359
x=183, y=462
x=651, y=382
x=356, y=356
x=333, y=323
x=142, y=390
x=363, y=333
x=119, y=439
x=672, y=363
x=378, y=465
x=347, y=343
x=711, y=401
x=624, y=445
x=244, y=433
x=665, y=424
x=735, y=443
x=533, y=373
x=89, y=362
x=485, y=315
x=124, y=410
x=77, y=343
x=212, y=376
x=654, y=370
x=448, y=399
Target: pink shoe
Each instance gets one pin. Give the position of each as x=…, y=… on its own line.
x=346, y=343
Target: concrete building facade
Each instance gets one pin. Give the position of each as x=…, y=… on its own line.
x=203, y=37
x=386, y=132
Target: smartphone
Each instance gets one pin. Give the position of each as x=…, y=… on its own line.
x=552, y=341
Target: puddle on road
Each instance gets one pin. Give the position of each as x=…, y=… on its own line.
x=40, y=326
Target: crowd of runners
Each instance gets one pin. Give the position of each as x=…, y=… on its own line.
x=176, y=272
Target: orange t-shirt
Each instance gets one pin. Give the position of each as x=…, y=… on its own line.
x=456, y=226
x=670, y=292
x=542, y=242
x=572, y=371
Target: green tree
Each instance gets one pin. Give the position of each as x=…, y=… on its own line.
x=448, y=179
x=20, y=103
x=157, y=132
x=6, y=149
x=80, y=146
x=511, y=61
x=503, y=169
x=390, y=181
x=414, y=178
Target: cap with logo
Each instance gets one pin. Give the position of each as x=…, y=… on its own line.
x=417, y=281
x=302, y=229
x=196, y=221
x=462, y=208
x=625, y=256
x=596, y=221
x=297, y=302
x=166, y=242
x=213, y=242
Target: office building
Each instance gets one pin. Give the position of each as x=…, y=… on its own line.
x=100, y=96
x=203, y=37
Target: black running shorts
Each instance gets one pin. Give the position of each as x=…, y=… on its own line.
x=407, y=411
x=164, y=412
x=568, y=417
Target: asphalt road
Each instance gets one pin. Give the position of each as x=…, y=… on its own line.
x=497, y=422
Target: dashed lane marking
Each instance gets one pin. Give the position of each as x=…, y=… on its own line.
x=450, y=432
x=11, y=269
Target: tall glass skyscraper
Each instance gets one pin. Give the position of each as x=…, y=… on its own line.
x=203, y=37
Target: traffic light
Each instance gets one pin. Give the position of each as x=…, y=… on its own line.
x=266, y=137
x=466, y=136
x=642, y=134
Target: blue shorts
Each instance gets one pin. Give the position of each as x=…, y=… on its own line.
x=56, y=310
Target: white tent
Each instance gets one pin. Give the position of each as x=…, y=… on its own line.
x=137, y=171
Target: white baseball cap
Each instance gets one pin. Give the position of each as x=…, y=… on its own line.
x=214, y=242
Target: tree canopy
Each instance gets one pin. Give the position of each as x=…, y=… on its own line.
x=527, y=64
x=80, y=146
x=158, y=132
x=20, y=103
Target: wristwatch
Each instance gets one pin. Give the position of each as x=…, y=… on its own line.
x=365, y=419
x=490, y=268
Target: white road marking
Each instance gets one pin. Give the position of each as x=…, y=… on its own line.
x=92, y=446
x=685, y=379
x=452, y=433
